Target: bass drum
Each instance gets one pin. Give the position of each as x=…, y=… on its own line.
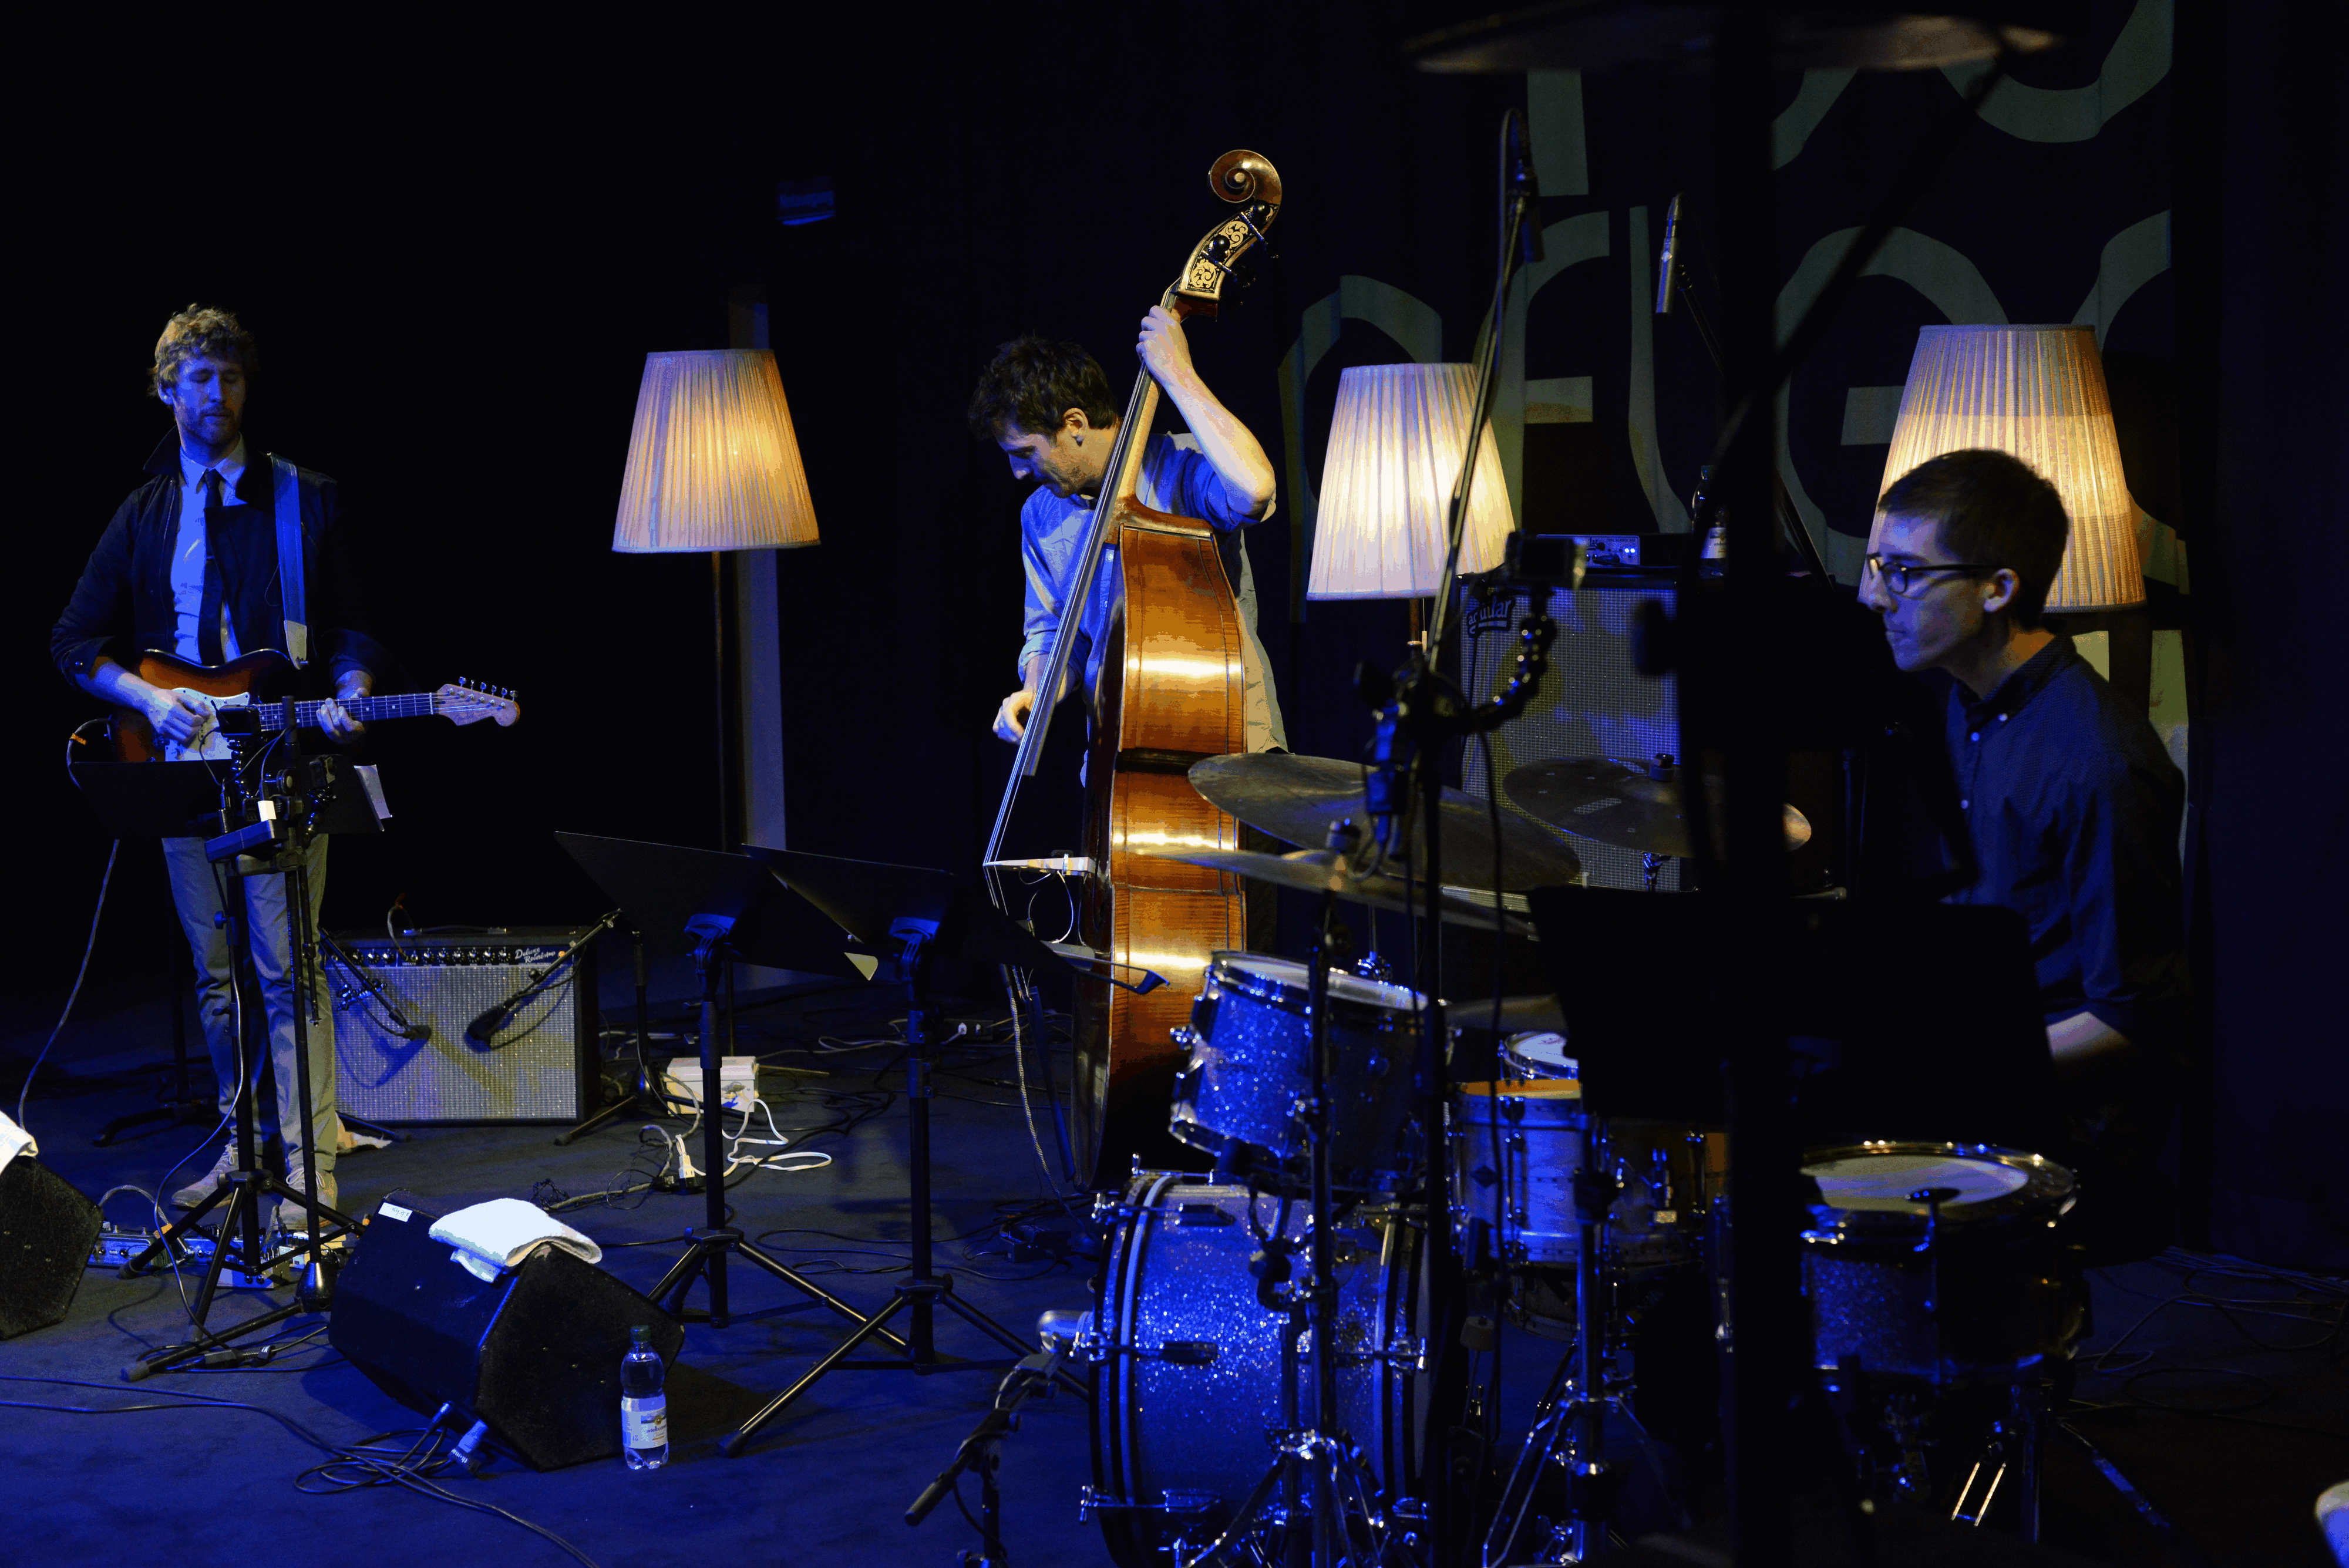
x=1187, y=1392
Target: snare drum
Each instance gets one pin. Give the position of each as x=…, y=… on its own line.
x=1967, y=1287
x=1251, y=1062
x=1515, y=1147
x=1537, y=1055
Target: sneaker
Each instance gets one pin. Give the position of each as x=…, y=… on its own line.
x=291, y=1216
x=196, y=1191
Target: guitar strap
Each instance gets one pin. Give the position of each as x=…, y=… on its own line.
x=288, y=509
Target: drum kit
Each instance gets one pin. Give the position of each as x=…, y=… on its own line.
x=1260, y=1332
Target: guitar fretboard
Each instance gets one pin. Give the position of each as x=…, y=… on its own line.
x=366, y=709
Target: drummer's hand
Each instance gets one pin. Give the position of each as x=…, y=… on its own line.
x=1011, y=719
x=1164, y=351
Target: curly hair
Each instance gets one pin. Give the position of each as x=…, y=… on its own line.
x=200, y=330
x=1031, y=384
x=1995, y=508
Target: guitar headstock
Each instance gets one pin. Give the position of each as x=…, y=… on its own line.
x=463, y=701
x=1248, y=181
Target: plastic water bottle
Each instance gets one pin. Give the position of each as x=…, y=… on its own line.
x=644, y=1409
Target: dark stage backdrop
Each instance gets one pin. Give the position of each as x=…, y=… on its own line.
x=456, y=259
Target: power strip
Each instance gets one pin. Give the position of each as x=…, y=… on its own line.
x=737, y=1080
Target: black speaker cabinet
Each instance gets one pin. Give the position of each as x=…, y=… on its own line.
x=536, y=1353
x=46, y=1231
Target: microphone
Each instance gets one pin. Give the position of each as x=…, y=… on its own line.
x=1668, y=264
x=488, y=1023
x=1521, y=187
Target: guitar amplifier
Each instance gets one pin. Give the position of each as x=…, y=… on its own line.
x=1592, y=703
x=542, y=1066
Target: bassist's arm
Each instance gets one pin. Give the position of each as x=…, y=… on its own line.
x=1235, y=456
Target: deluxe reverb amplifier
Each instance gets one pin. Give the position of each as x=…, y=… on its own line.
x=539, y=1065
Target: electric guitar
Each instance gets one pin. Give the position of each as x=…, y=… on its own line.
x=244, y=696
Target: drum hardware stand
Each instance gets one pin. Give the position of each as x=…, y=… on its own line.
x=277, y=842
x=1059, y=1332
x=1317, y=1470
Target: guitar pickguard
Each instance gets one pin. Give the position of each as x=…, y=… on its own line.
x=207, y=744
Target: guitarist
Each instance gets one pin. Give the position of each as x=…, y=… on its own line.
x=190, y=566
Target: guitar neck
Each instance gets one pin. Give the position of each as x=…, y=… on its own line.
x=366, y=709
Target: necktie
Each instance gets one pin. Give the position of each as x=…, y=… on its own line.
x=208, y=619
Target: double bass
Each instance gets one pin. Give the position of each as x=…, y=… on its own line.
x=1170, y=693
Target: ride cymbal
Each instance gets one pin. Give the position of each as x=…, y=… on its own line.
x=1297, y=798
x=1632, y=805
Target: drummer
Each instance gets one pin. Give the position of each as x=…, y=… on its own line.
x=2071, y=803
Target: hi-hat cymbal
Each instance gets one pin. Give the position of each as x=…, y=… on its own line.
x=1297, y=798
x=1632, y=805
x=1322, y=871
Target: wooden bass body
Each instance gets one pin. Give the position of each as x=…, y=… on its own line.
x=1171, y=692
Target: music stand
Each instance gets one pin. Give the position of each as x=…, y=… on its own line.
x=129, y=805
x=723, y=909
x=1910, y=1021
x=917, y=917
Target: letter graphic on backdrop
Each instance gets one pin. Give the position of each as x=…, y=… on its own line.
x=2137, y=60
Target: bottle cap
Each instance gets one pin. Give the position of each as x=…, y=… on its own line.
x=641, y=1335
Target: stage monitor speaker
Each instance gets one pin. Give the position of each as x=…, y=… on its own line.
x=535, y=1352
x=541, y=1066
x=1592, y=703
x=47, y=1229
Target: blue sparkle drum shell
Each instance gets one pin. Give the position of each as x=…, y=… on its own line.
x=1979, y=1295
x=1249, y=1063
x=1177, y=1448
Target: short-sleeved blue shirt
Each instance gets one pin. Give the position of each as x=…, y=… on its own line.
x=1174, y=479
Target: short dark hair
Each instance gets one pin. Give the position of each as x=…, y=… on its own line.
x=199, y=329
x=1031, y=384
x=1994, y=510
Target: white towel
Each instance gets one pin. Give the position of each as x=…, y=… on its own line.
x=15, y=1141
x=504, y=1231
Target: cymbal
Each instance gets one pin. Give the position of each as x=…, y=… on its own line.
x=1323, y=871
x=1297, y=798
x=1632, y=805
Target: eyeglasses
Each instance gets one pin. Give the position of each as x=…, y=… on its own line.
x=1900, y=576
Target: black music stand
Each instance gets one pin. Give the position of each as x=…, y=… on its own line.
x=918, y=918
x=724, y=910
x=1914, y=1020
x=316, y=797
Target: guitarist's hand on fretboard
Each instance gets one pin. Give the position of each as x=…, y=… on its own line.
x=339, y=725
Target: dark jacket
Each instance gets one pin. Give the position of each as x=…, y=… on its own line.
x=122, y=605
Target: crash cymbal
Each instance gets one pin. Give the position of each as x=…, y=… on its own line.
x=1632, y=805
x=1322, y=871
x=1297, y=798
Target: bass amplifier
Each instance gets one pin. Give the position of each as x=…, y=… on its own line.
x=400, y=1012
x=1592, y=703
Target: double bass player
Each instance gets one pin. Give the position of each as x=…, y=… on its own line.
x=1049, y=407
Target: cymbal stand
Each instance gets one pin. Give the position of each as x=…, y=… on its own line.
x=1581, y=1394
x=1318, y=1470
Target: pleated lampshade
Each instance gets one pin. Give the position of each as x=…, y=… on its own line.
x=2037, y=392
x=1396, y=446
x=713, y=464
